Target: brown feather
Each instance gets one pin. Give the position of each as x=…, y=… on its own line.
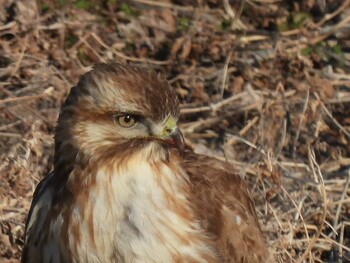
x=119, y=197
x=221, y=200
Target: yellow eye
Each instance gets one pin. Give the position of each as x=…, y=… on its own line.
x=126, y=121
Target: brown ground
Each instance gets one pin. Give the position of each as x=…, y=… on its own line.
x=267, y=89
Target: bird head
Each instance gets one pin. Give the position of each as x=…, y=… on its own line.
x=116, y=108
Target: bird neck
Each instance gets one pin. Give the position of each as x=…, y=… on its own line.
x=144, y=198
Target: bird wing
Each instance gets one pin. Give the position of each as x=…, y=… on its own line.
x=38, y=225
x=222, y=203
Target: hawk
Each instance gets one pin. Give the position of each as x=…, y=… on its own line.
x=125, y=188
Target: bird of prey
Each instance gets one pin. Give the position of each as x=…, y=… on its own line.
x=125, y=188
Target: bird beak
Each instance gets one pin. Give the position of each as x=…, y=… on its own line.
x=177, y=139
x=172, y=135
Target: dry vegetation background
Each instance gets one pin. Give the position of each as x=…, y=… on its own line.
x=265, y=84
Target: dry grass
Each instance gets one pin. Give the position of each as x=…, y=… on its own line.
x=264, y=84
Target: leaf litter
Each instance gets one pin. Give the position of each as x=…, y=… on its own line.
x=264, y=84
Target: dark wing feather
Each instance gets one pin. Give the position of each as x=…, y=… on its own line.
x=30, y=229
x=42, y=210
x=221, y=201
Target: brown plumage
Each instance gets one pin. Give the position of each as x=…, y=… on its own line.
x=124, y=189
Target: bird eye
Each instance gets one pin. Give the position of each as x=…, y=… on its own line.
x=126, y=121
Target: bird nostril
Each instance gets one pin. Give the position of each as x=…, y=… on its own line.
x=168, y=130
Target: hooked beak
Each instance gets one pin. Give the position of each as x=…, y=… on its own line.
x=176, y=139
x=172, y=135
